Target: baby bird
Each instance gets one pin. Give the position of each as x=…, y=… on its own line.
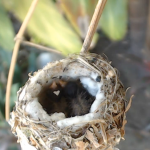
x=53, y=103
x=78, y=99
x=72, y=99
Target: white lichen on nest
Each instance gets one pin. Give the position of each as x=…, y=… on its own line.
x=101, y=128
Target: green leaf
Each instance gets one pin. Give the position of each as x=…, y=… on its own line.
x=13, y=96
x=79, y=13
x=5, y=58
x=48, y=26
x=77, y=9
x=6, y=30
x=114, y=19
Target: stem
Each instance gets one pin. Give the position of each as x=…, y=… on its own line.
x=93, y=25
x=14, y=57
x=41, y=47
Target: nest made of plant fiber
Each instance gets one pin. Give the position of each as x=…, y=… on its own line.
x=43, y=120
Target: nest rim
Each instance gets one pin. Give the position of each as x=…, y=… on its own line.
x=84, y=60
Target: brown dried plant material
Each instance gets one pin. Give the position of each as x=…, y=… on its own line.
x=33, y=141
x=101, y=128
x=129, y=104
x=111, y=148
x=122, y=130
x=80, y=145
x=96, y=132
x=92, y=138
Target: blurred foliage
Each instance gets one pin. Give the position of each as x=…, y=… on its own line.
x=79, y=13
x=5, y=58
x=7, y=140
x=6, y=30
x=59, y=24
x=49, y=26
x=13, y=97
x=114, y=19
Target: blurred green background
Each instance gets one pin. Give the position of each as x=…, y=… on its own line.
x=62, y=25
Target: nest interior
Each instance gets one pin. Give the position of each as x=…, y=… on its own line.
x=75, y=103
x=66, y=96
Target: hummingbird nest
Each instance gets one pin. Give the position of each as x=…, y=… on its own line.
x=45, y=118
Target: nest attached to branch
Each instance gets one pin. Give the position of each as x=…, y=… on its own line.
x=76, y=103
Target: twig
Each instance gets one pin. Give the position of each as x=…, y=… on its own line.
x=41, y=47
x=14, y=57
x=93, y=25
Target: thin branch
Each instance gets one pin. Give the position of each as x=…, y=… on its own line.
x=41, y=47
x=93, y=25
x=14, y=57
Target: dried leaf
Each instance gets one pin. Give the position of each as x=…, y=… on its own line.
x=122, y=131
x=15, y=125
x=91, y=137
x=80, y=145
x=117, y=116
x=98, y=135
x=38, y=126
x=33, y=142
x=129, y=104
x=109, y=117
x=103, y=133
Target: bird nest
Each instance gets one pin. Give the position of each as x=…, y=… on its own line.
x=76, y=103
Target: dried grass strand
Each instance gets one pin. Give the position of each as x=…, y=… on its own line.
x=93, y=25
x=14, y=57
x=129, y=104
x=41, y=47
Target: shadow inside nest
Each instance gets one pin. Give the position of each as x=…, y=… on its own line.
x=68, y=97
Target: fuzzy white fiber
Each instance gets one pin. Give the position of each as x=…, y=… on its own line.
x=88, y=79
x=77, y=120
x=25, y=146
x=36, y=111
x=91, y=85
x=94, y=88
x=22, y=94
x=56, y=148
x=99, y=98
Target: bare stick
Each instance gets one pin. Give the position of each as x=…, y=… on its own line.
x=41, y=47
x=93, y=25
x=14, y=57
